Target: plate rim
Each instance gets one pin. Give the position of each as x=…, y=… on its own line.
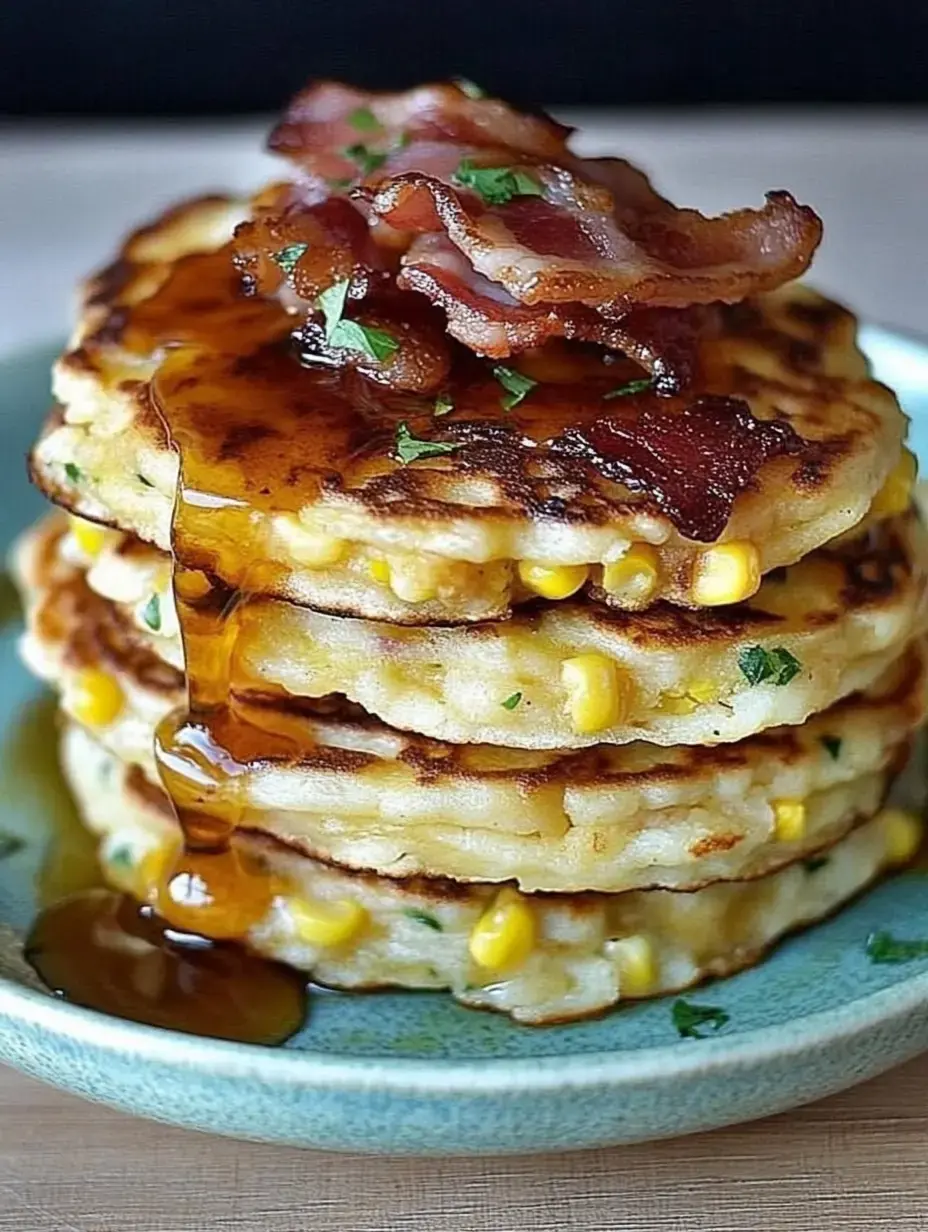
x=446, y=1075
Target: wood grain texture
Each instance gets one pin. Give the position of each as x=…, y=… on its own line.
x=855, y=1162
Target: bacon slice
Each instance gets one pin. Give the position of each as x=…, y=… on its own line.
x=327, y=118
x=483, y=316
x=612, y=246
x=296, y=248
x=693, y=462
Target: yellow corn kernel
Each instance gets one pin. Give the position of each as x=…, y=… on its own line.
x=904, y=831
x=379, y=571
x=703, y=691
x=326, y=923
x=789, y=819
x=677, y=703
x=633, y=580
x=413, y=580
x=505, y=934
x=637, y=964
x=726, y=573
x=89, y=537
x=595, y=695
x=316, y=549
x=93, y=697
x=896, y=493
x=552, y=581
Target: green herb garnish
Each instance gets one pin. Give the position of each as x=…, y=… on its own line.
x=496, y=185
x=631, y=387
x=883, y=947
x=688, y=1018
x=814, y=863
x=352, y=335
x=364, y=120
x=444, y=404
x=367, y=160
x=424, y=917
x=516, y=385
x=287, y=257
x=468, y=87
x=409, y=448
x=833, y=746
x=121, y=857
x=777, y=666
x=146, y=483
x=10, y=844
x=73, y=472
x=511, y=701
x=151, y=614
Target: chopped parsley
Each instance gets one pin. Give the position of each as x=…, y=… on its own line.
x=516, y=385
x=777, y=666
x=832, y=746
x=883, y=947
x=511, y=701
x=352, y=335
x=496, y=185
x=73, y=472
x=468, y=87
x=444, y=404
x=409, y=448
x=364, y=120
x=151, y=614
x=121, y=857
x=288, y=257
x=9, y=845
x=630, y=387
x=424, y=917
x=814, y=863
x=688, y=1018
x=366, y=159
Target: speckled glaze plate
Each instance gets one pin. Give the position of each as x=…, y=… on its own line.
x=418, y=1074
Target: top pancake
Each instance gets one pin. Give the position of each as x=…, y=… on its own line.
x=294, y=466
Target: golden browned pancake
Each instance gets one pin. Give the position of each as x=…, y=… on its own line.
x=317, y=492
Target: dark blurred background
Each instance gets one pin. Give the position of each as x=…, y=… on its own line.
x=132, y=57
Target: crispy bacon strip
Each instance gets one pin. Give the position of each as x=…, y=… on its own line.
x=483, y=316
x=612, y=247
x=693, y=462
x=297, y=248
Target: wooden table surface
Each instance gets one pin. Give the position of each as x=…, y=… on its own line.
x=856, y=1162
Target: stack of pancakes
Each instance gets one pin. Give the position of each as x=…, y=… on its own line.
x=487, y=723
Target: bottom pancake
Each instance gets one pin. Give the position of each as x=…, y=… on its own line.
x=540, y=958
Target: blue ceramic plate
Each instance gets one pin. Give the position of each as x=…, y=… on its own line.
x=418, y=1073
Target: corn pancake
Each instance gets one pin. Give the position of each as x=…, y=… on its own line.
x=568, y=955
x=667, y=675
x=613, y=818
x=456, y=538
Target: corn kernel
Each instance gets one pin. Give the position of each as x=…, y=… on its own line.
x=89, y=537
x=703, y=691
x=677, y=703
x=552, y=581
x=896, y=493
x=633, y=579
x=93, y=697
x=379, y=571
x=726, y=573
x=326, y=923
x=595, y=697
x=316, y=549
x=789, y=819
x=904, y=832
x=505, y=934
x=637, y=965
x=413, y=580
